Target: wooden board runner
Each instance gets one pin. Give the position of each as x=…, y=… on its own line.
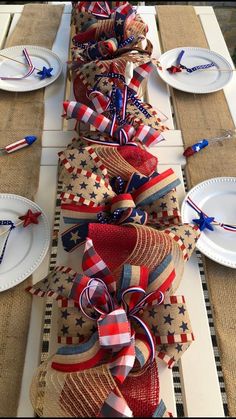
x=21, y=114
x=202, y=116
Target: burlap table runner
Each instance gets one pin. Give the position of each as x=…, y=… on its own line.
x=21, y=114
x=202, y=116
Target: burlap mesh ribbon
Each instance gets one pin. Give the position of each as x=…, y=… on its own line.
x=202, y=116
x=21, y=114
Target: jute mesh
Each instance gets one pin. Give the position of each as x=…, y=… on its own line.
x=76, y=394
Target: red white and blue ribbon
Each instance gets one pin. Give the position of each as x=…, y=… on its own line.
x=30, y=69
x=206, y=221
x=179, y=67
x=122, y=134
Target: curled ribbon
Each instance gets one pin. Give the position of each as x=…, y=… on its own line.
x=122, y=134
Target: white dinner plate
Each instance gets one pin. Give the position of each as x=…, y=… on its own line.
x=26, y=246
x=199, y=81
x=217, y=198
x=41, y=57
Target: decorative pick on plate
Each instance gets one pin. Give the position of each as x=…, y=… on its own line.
x=195, y=148
x=29, y=218
x=179, y=67
x=24, y=142
x=43, y=73
x=206, y=222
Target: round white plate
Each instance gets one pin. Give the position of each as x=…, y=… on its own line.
x=26, y=246
x=200, y=81
x=40, y=57
x=217, y=198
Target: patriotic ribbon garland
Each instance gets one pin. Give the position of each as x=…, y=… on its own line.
x=206, y=222
x=179, y=67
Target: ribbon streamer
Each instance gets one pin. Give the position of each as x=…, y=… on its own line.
x=179, y=67
x=205, y=221
x=30, y=70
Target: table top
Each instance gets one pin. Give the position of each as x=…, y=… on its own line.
x=201, y=398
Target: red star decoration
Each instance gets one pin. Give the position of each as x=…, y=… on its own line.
x=30, y=218
x=174, y=69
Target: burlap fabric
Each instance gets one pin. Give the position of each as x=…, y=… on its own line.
x=202, y=116
x=21, y=114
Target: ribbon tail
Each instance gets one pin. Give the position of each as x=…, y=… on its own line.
x=115, y=406
x=74, y=237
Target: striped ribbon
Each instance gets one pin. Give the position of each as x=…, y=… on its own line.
x=227, y=227
x=144, y=133
x=124, y=208
x=30, y=69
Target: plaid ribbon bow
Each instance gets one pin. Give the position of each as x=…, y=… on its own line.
x=136, y=204
x=124, y=316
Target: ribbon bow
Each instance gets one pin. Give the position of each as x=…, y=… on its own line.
x=127, y=317
x=137, y=204
x=123, y=134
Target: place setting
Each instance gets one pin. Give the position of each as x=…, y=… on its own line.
x=25, y=68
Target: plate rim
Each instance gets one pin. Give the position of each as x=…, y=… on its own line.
x=160, y=72
x=201, y=248
x=49, y=80
x=44, y=250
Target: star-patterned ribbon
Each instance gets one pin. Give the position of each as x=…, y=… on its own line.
x=136, y=204
x=206, y=222
x=123, y=315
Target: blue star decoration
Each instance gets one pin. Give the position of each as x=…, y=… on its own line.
x=45, y=72
x=204, y=222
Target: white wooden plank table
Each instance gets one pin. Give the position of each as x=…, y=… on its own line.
x=202, y=397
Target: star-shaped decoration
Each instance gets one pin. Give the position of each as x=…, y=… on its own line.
x=83, y=185
x=81, y=150
x=60, y=289
x=152, y=313
x=45, y=73
x=119, y=21
x=154, y=329
x=93, y=329
x=181, y=310
x=179, y=347
x=93, y=195
x=69, y=187
x=56, y=280
x=83, y=163
x=94, y=169
x=184, y=326
x=80, y=321
x=168, y=319
x=71, y=157
x=74, y=176
x=97, y=185
x=137, y=219
x=163, y=205
x=69, y=279
x=64, y=330
x=187, y=233
x=204, y=222
x=190, y=246
x=173, y=199
x=64, y=314
x=105, y=195
x=174, y=69
x=74, y=237
x=30, y=218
